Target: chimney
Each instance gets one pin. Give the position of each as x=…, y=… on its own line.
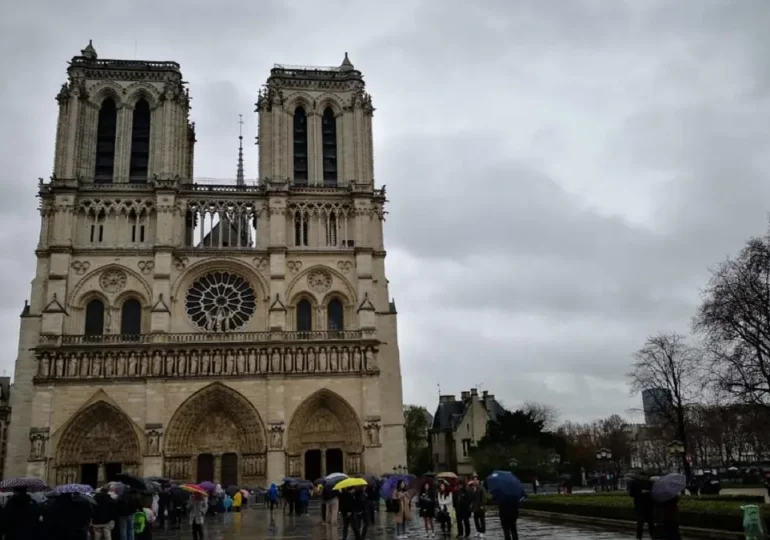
x=474, y=392
x=488, y=399
x=446, y=398
x=465, y=395
x=484, y=395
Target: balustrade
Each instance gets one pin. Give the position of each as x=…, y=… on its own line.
x=61, y=364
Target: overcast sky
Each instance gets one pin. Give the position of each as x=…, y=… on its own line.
x=561, y=173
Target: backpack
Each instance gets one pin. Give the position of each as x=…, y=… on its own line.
x=140, y=522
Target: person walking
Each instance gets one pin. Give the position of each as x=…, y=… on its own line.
x=404, y=511
x=478, y=502
x=640, y=490
x=509, y=515
x=427, y=507
x=196, y=511
x=445, y=509
x=671, y=519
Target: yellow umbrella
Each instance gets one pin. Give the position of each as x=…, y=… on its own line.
x=350, y=483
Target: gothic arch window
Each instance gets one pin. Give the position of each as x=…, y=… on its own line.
x=301, y=220
x=335, y=315
x=329, y=141
x=304, y=316
x=300, y=147
x=140, y=143
x=131, y=318
x=94, y=318
x=105, y=142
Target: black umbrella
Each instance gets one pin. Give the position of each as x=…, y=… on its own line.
x=132, y=481
x=232, y=490
x=370, y=479
x=162, y=480
x=328, y=492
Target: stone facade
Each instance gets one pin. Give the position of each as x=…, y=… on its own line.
x=459, y=425
x=237, y=333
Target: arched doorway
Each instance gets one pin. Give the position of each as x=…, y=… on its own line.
x=324, y=436
x=219, y=434
x=96, y=445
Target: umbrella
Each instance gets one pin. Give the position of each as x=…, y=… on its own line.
x=231, y=490
x=132, y=481
x=447, y=475
x=334, y=475
x=26, y=482
x=390, y=484
x=328, y=489
x=370, y=479
x=319, y=481
x=153, y=487
x=208, y=486
x=504, y=486
x=289, y=480
x=73, y=488
x=350, y=483
x=194, y=488
x=668, y=487
x=245, y=493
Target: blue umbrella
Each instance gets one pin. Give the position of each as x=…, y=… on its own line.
x=504, y=486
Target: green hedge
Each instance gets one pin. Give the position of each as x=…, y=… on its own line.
x=700, y=512
x=738, y=498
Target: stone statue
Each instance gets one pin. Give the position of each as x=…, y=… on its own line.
x=333, y=360
x=153, y=443
x=357, y=359
x=264, y=364
x=217, y=363
x=109, y=366
x=72, y=366
x=240, y=362
x=276, y=437
x=45, y=366
x=275, y=363
x=370, y=434
x=96, y=366
x=193, y=364
x=60, y=367
x=369, y=362
x=181, y=366
x=252, y=361
x=169, y=364
x=288, y=361
x=37, y=447
x=322, y=360
x=345, y=362
x=120, y=367
x=131, y=365
x=229, y=364
x=205, y=361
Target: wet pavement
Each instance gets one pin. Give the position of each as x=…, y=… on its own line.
x=259, y=523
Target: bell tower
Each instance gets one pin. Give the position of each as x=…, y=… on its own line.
x=123, y=121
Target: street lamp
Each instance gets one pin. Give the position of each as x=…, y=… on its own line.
x=676, y=451
x=603, y=456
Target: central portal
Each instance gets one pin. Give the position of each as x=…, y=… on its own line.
x=313, y=465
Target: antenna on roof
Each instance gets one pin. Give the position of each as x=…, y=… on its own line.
x=439, y=389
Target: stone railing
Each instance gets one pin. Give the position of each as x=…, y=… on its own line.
x=205, y=361
x=225, y=338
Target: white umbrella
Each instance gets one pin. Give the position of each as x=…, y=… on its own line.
x=336, y=475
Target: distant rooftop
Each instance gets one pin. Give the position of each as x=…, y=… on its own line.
x=345, y=71
x=88, y=58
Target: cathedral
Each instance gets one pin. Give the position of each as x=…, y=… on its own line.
x=234, y=332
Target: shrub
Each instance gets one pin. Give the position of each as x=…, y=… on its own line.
x=703, y=512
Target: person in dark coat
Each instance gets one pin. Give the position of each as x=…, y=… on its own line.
x=70, y=517
x=479, y=496
x=463, y=503
x=353, y=508
x=372, y=502
x=22, y=517
x=671, y=519
x=640, y=489
x=426, y=505
x=509, y=515
x=105, y=516
x=164, y=503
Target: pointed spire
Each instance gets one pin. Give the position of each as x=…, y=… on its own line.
x=347, y=65
x=89, y=52
x=239, y=178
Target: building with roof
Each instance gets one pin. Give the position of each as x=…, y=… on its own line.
x=458, y=425
x=237, y=333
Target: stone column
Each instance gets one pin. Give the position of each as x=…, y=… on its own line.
x=123, y=144
x=218, y=468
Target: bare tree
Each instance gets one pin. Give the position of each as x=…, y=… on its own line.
x=734, y=319
x=669, y=365
x=540, y=412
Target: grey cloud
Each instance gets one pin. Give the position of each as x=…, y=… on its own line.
x=561, y=177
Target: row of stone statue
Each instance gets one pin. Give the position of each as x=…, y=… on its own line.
x=250, y=466
x=186, y=363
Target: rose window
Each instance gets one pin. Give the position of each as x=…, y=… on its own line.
x=220, y=302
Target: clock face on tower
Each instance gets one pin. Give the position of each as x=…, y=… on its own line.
x=220, y=302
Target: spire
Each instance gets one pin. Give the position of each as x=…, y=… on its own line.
x=347, y=65
x=239, y=179
x=89, y=52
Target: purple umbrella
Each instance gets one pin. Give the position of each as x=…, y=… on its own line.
x=668, y=487
x=208, y=486
x=389, y=486
x=74, y=488
x=28, y=483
